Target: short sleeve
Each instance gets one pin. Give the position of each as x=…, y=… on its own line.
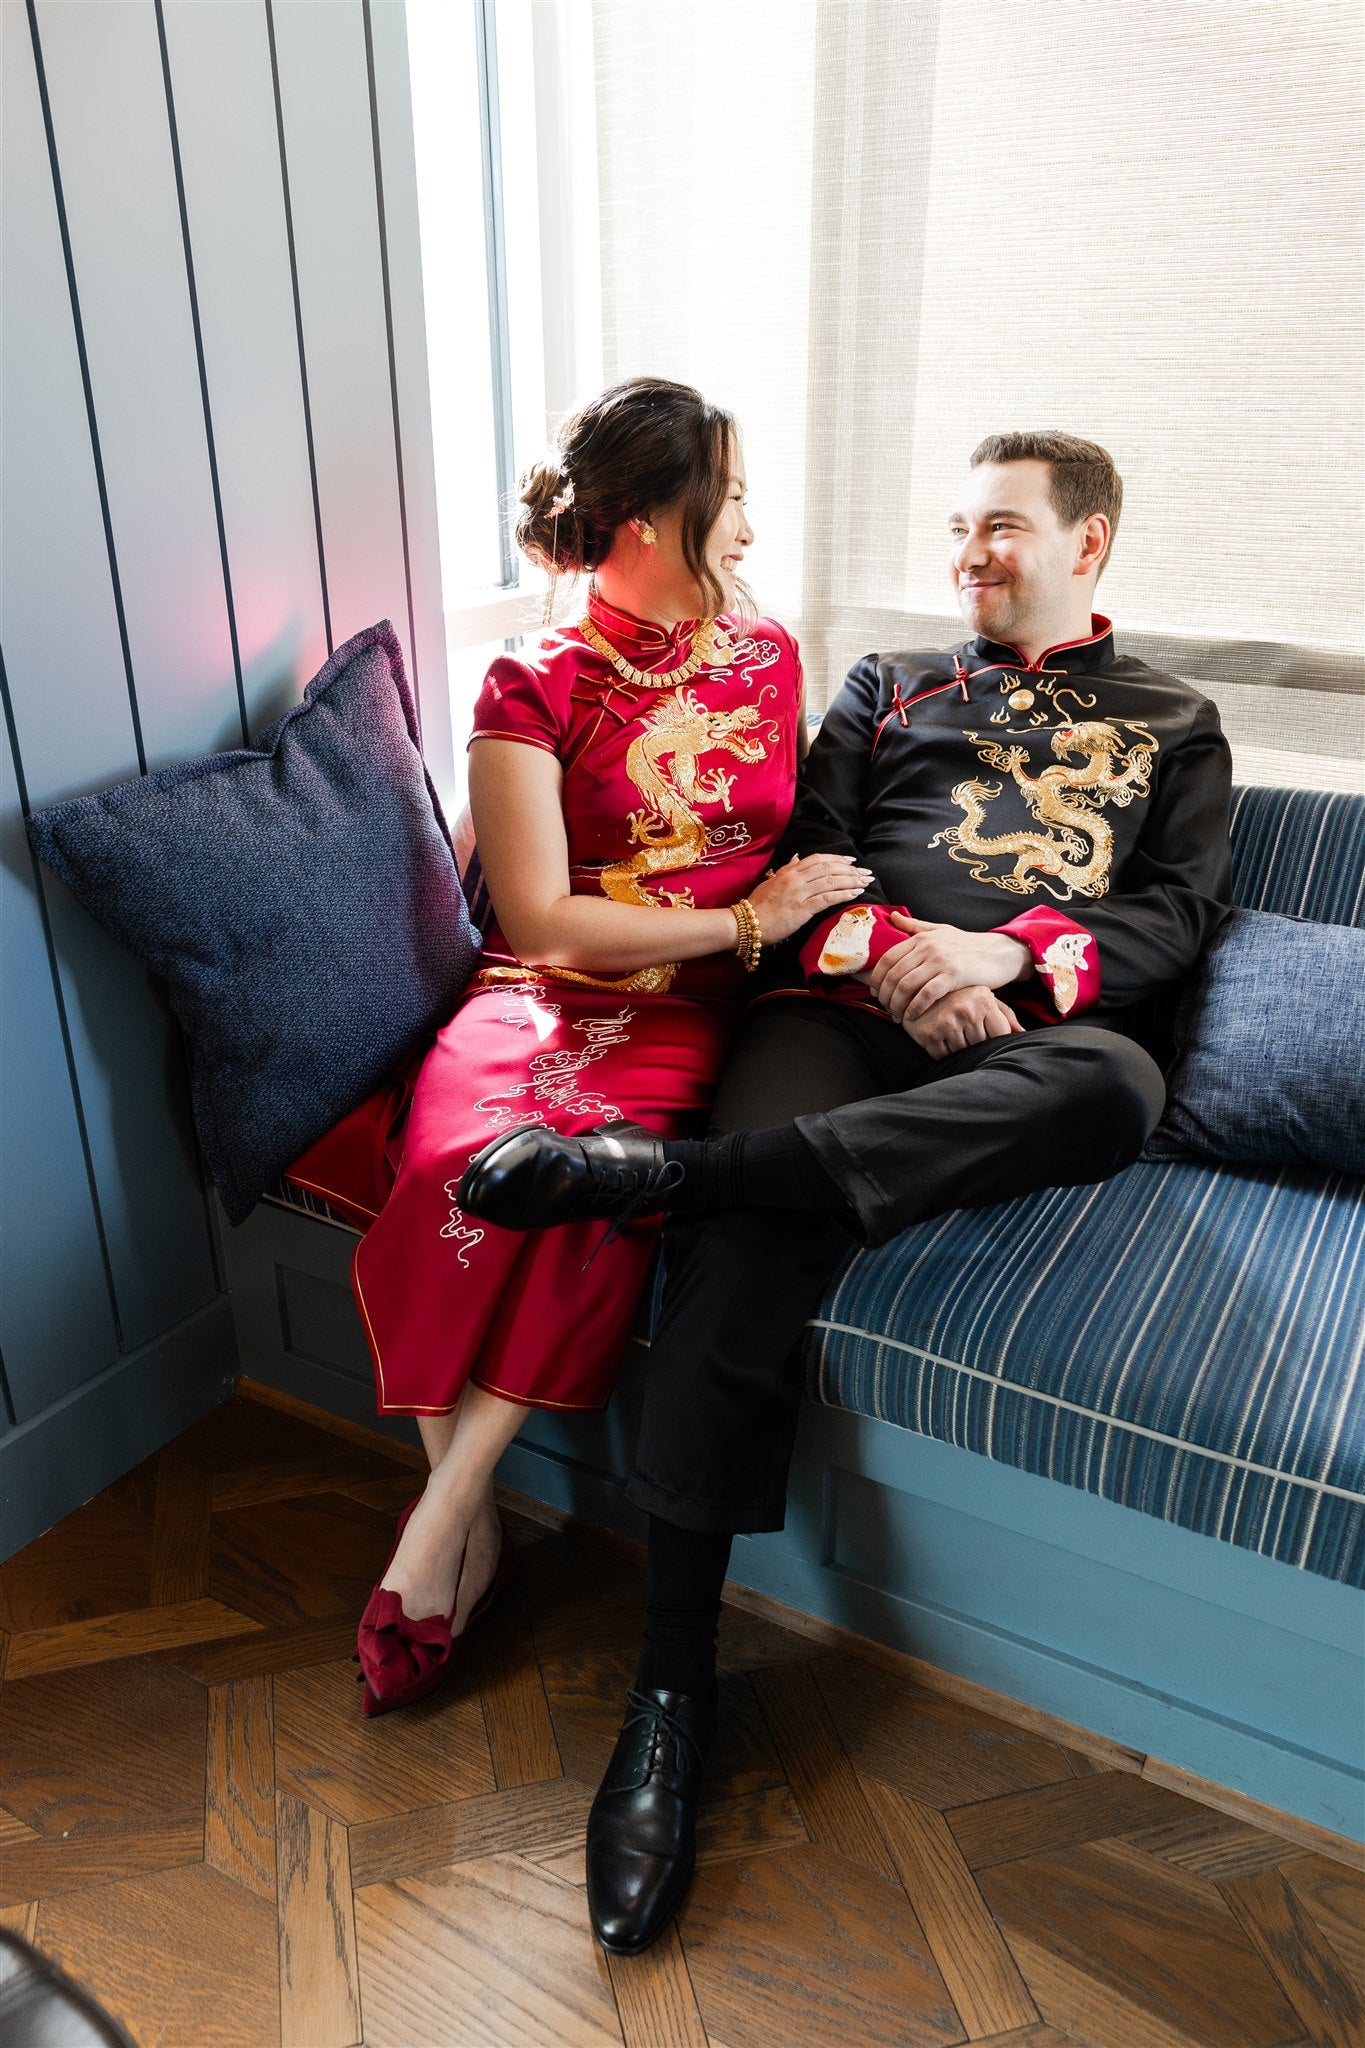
x=520, y=702
x=745, y=636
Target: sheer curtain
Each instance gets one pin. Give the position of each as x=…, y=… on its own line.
x=882, y=228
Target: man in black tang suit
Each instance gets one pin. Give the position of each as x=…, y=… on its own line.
x=1046, y=825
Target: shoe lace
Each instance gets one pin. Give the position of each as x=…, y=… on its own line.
x=662, y=1724
x=648, y=1195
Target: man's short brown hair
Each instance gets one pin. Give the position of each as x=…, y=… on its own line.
x=1084, y=479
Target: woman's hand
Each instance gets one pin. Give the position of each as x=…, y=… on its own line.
x=802, y=889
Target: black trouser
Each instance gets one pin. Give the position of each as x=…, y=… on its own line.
x=903, y=1137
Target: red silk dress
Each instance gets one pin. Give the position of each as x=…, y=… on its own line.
x=676, y=796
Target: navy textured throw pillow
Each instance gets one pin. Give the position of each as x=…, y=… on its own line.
x=1269, y=1067
x=299, y=899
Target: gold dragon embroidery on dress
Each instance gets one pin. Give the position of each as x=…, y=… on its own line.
x=679, y=730
x=1076, y=847
x=663, y=762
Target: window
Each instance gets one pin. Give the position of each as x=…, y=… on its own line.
x=880, y=231
x=502, y=119
x=877, y=234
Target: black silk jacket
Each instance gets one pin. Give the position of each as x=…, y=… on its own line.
x=1082, y=793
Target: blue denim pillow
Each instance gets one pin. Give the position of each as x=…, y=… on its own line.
x=300, y=901
x=1270, y=1048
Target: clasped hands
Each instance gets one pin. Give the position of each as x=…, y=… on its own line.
x=939, y=983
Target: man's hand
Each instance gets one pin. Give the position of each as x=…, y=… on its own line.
x=910, y=979
x=964, y=1017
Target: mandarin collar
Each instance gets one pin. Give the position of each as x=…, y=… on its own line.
x=1093, y=650
x=633, y=637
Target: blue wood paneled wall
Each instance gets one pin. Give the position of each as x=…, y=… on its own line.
x=217, y=466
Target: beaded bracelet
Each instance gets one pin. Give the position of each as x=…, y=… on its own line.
x=750, y=944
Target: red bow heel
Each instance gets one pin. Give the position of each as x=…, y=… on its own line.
x=399, y=1527
x=403, y=1659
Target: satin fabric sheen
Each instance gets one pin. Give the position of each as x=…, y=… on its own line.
x=667, y=793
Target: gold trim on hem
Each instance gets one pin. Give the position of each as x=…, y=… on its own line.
x=381, y=1409
x=646, y=981
x=359, y=1293
x=525, y=1401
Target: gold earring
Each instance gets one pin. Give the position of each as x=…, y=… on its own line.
x=647, y=534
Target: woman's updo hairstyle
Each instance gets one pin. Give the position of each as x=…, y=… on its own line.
x=640, y=446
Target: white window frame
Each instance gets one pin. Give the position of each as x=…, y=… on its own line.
x=530, y=62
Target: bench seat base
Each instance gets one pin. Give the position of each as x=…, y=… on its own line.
x=1242, y=1670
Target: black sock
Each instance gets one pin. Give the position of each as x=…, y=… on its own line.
x=750, y=1170
x=686, y=1572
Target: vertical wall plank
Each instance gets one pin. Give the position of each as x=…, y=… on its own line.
x=128, y=1055
x=393, y=102
x=56, y=1315
x=219, y=56
x=324, y=92
x=113, y=140
x=56, y=1320
x=74, y=726
x=59, y=613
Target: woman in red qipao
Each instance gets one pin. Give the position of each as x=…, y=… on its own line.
x=629, y=780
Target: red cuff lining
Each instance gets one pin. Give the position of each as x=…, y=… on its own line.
x=884, y=936
x=1065, y=957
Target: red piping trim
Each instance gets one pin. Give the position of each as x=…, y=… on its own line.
x=900, y=705
x=523, y=739
x=1100, y=626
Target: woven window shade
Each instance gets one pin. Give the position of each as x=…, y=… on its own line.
x=879, y=229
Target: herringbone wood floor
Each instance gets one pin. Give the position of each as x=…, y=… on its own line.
x=196, y=1821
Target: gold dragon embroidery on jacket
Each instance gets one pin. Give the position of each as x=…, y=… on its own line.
x=1073, y=853
x=664, y=763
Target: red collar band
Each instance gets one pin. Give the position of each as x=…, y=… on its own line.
x=1100, y=628
x=631, y=636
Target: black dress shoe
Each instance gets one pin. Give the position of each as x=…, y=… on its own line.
x=534, y=1176
x=642, y=1827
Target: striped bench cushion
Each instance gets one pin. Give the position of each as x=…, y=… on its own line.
x=1299, y=852
x=1185, y=1340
